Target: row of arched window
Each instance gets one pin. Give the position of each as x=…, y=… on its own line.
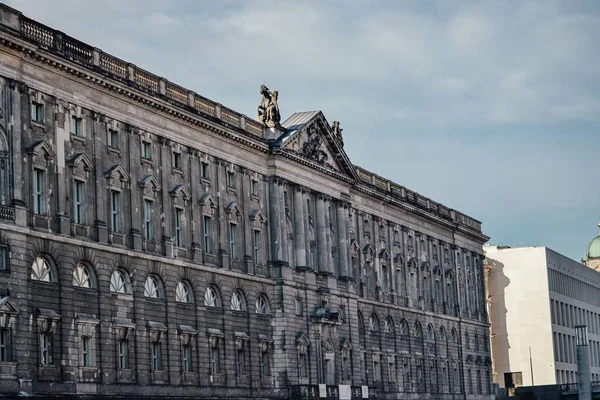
x=403, y=329
x=153, y=288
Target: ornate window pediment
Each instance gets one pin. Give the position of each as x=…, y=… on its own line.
x=156, y=331
x=123, y=327
x=302, y=342
x=47, y=319
x=186, y=334
x=369, y=252
x=399, y=258
x=241, y=339
x=8, y=312
x=150, y=185
x=384, y=254
x=214, y=337
x=258, y=217
x=234, y=210
x=42, y=153
x=116, y=176
x=354, y=248
x=181, y=192
x=80, y=164
x=208, y=203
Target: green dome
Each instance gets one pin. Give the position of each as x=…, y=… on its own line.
x=593, y=249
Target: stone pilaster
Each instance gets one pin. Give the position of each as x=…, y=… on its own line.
x=299, y=232
x=275, y=217
x=342, y=239
x=321, y=236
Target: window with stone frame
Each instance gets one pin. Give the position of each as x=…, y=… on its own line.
x=47, y=321
x=183, y=293
x=265, y=345
x=116, y=180
x=47, y=348
x=156, y=335
x=4, y=261
x=42, y=159
x=86, y=325
x=41, y=270
x=205, y=170
x=373, y=323
x=234, y=216
x=432, y=377
x=123, y=354
x=391, y=366
x=212, y=297
x=114, y=139
x=122, y=329
x=80, y=168
x=76, y=121
x=180, y=198
x=146, y=147
x=5, y=344
x=258, y=223
x=230, y=177
x=254, y=187
x=37, y=102
x=83, y=276
x=376, y=367
x=241, y=345
x=214, y=347
x=302, y=346
x=150, y=192
x=6, y=194
x=208, y=207
x=153, y=288
x=176, y=160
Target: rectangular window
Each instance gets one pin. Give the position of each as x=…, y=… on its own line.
x=78, y=202
x=205, y=170
x=39, y=192
x=113, y=139
x=156, y=357
x=148, y=227
x=392, y=372
x=86, y=352
x=264, y=364
x=376, y=371
x=187, y=359
x=46, y=339
x=254, y=187
x=207, y=244
x=214, y=360
x=302, y=366
x=241, y=362
x=298, y=305
x=37, y=112
x=5, y=345
x=123, y=354
x=3, y=258
x=232, y=241
x=147, y=150
x=230, y=179
x=256, y=242
x=178, y=227
x=76, y=126
x=176, y=158
x=115, y=207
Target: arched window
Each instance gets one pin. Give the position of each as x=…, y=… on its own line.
x=211, y=297
x=153, y=288
x=183, y=293
x=119, y=282
x=418, y=331
x=388, y=326
x=262, y=305
x=373, y=323
x=237, y=301
x=82, y=276
x=41, y=271
x=442, y=334
x=403, y=327
x=430, y=332
x=453, y=335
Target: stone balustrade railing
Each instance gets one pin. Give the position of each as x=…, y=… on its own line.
x=116, y=68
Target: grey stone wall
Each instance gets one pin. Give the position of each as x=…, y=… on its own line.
x=352, y=261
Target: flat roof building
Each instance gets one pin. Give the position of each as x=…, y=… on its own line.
x=536, y=297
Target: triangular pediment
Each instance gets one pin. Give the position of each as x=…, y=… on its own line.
x=150, y=181
x=180, y=190
x=258, y=215
x=310, y=136
x=9, y=306
x=80, y=159
x=118, y=172
x=43, y=147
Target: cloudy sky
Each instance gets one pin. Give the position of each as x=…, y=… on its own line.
x=490, y=107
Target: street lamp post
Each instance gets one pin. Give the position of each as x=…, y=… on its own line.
x=584, y=378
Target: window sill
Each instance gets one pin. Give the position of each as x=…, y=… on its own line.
x=77, y=138
x=147, y=161
x=206, y=181
x=114, y=150
x=255, y=197
x=177, y=171
x=231, y=190
x=38, y=124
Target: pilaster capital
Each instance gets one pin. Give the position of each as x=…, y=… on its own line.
x=323, y=197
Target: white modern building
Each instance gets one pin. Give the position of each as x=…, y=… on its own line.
x=536, y=297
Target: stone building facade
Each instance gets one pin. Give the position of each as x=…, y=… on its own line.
x=155, y=242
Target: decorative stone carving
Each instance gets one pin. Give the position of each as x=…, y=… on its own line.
x=268, y=110
x=337, y=132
